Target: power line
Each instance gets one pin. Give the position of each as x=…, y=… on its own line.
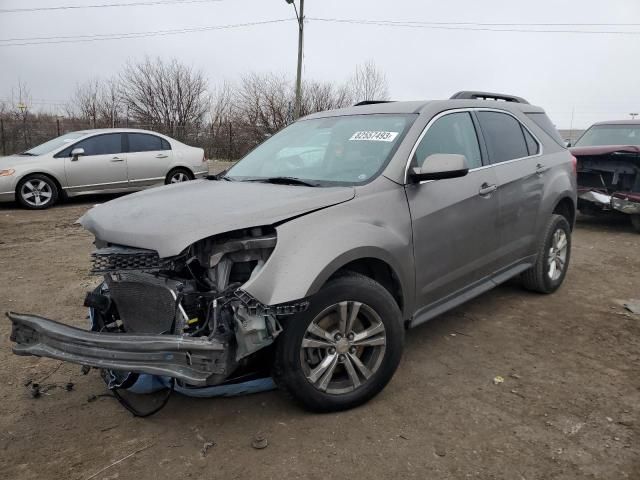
x=17, y=42
x=513, y=24
x=466, y=27
x=103, y=5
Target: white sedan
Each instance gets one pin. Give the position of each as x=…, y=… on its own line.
x=97, y=161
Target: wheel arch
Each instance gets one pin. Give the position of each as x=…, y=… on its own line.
x=378, y=270
x=566, y=207
x=179, y=166
x=53, y=178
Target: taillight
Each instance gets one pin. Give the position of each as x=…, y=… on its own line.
x=204, y=159
x=574, y=164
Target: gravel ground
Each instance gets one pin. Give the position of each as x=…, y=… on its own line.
x=569, y=406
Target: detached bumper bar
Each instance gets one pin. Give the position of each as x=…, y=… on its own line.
x=192, y=360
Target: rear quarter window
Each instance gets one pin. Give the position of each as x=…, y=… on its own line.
x=144, y=142
x=545, y=123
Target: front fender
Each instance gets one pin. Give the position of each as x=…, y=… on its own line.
x=57, y=174
x=375, y=224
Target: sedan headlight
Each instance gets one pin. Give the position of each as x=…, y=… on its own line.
x=6, y=173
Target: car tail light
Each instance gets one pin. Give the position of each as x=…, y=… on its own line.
x=574, y=164
x=204, y=159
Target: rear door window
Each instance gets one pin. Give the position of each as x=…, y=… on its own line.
x=452, y=133
x=109, y=144
x=503, y=136
x=144, y=142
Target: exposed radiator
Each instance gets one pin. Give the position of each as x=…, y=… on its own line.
x=145, y=303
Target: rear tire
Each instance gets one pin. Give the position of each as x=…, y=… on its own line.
x=37, y=192
x=552, y=262
x=635, y=221
x=344, y=349
x=179, y=175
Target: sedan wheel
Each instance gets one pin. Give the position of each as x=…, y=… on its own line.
x=37, y=192
x=179, y=177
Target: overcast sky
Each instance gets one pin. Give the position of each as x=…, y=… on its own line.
x=593, y=75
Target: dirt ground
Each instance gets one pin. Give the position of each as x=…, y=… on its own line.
x=569, y=407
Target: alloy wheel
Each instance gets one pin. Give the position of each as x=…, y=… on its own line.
x=36, y=192
x=557, y=257
x=179, y=177
x=343, y=347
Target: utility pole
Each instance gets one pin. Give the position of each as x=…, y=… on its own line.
x=300, y=17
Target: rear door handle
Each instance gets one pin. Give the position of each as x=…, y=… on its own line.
x=540, y=169
x=487, y=189
x=161, y=155
x=117, y=159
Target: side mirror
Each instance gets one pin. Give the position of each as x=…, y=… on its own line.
x=567, y=142
x=76, y=152
x=439, y=166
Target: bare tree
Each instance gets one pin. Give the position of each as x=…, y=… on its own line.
x=22, y=101
x=109, y=103
x=86, y=99
x=167, y=95
x=369, y=83
x=320, y=96
x=264, y=104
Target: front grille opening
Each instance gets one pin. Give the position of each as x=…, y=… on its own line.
x=113, y=259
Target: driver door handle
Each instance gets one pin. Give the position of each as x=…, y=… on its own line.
x=487, y=189
x=117, y=159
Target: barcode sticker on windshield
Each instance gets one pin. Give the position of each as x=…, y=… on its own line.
x=373, y=136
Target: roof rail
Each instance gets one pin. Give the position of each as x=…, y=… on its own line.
x=371, y=102
x=471, y=95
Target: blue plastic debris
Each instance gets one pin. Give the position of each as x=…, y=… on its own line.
x=152, y=383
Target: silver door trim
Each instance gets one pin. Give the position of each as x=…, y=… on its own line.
x=146, y=179
x=96, y=185
x=470, y=109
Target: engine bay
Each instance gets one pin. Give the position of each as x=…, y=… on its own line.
x=195, y=294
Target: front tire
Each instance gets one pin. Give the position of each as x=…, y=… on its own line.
x=179, y=175
x=37, y=192
x=635, y=221
x=344, y=349
x=552, y=262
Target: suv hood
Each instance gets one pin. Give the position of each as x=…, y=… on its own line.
x=169, y=219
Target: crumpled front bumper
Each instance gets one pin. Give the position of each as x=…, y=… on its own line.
x=190, y=359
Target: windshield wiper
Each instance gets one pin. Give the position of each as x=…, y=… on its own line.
x=28, y=154
x=285, y=181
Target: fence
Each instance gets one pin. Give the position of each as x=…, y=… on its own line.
x=221, y=141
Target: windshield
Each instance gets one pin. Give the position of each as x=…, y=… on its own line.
x=57, y=142
x=610, y=135
x=343, y=150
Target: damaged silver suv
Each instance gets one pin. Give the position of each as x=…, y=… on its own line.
x=315, y=252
